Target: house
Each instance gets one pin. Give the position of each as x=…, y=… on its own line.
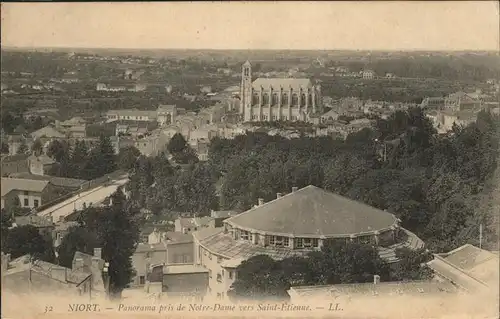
x=189, y=282
x=40, y=165
x=169, y=248
x=45, y=225
x=220, y=215
x=74, y=127
x=461, y=101
x=279, y=230
x=12, y=164
x=48, y=132
x=16, y=140
x=84, y=279
x=368, y=74
x=469, y=268
x=133, y=114
x=188, y=225
x=166, y=114
x=329, y=116
x=64, y=183
x=31, y=193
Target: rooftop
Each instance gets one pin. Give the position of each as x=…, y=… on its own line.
x=282, y=82
x=30, y=185
x=57, y=181
x=14, y=158
x=313, y=211
x=44, y=159
x=217, y=242
x=381, y=288
x=183, y=269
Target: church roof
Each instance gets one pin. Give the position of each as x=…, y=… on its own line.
x=282, y=82
x=315, y=212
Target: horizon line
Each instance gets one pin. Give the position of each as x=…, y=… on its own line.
x=253, y=49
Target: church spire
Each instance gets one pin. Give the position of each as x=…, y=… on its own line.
x=247, y=63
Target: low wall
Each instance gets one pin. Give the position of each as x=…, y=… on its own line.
x=83, y=188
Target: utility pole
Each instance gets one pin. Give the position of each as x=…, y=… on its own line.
x=480, y=235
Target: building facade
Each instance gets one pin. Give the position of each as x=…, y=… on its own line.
x=277, y=99
x=294, y=225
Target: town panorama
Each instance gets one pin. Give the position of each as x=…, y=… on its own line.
x=234, y=176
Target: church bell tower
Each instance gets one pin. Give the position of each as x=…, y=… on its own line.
x=246, y=91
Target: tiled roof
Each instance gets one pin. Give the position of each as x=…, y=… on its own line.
x=222, y=244
x=35, y=220
x=381, y=288
x=314, y=211
x=178, y=238
x=467, y=256
x=9, y=184
x=141, y=248
x=57, y=181
x=184, y=269
x=44, y=159
x=47, y=131
x=14, y=158
x=282, y=82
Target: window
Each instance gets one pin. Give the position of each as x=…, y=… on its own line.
x=307, y=242
x=219, y=259
x=210, y=273
x=247, y=71
x=274, y=117
x=35, y=203
x=210, y=256
x=254, y=117
x=230, y=274
x=244, y=235
x=219, y=278
x=275, y=99
x=26, y=193
x=265, y=99
x=295, y=100
x=284, y=99
x=272, y=240
x=255, y=99
x=299, y=243
x=142, y=280
x=26, y=202
x=315, y=242
x=286, y=241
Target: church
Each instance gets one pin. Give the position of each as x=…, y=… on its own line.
x=277, y=99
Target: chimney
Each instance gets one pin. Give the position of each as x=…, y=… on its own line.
x=95, y=263
x=278, y=195
x=98, y=253
x=294, y=189
x=261, y=201
x=78, y=264
x=376, y=279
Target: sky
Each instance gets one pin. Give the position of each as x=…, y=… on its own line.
x=411, y=25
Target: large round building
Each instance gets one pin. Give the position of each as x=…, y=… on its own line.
x=295, y=224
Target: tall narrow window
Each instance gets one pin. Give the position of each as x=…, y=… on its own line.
x=295, y=100
x=284, y=99
x=299, y=243
x=275, y=99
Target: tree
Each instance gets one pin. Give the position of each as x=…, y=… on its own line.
x=102, y=158
x=79, y=160
x=24, y=240
x=60, y=152
x=127, y=157
x=412, y=265
x=5, y=148
x=117, y=232
x=23, y=147
x=77, y=239
x=259, y=277
x=37, y=147
x=177, y=144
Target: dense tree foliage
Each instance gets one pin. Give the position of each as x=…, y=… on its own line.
x=114, y=228
x=155, y=184
x=83, y=161
x=24, y=240
x=261, y=277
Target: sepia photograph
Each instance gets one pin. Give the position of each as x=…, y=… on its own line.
x=333, y=159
